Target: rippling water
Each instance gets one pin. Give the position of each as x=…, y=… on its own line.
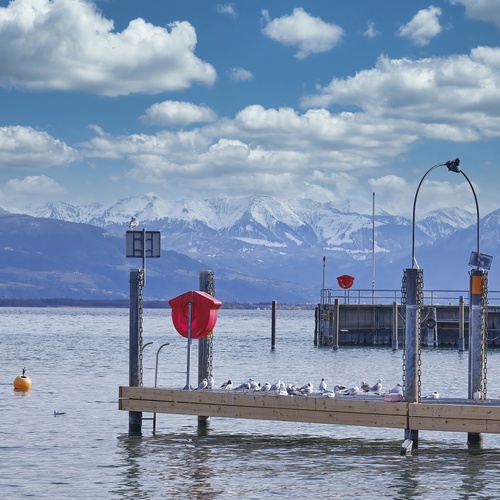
x=77, y=358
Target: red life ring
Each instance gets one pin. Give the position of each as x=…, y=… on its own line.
x=345, y=281
x=204, y=310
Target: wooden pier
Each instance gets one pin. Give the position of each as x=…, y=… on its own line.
x=451, y=415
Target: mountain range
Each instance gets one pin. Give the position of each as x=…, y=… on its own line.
x=260, y=248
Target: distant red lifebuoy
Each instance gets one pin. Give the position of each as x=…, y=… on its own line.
x=204, y=310
x=345, y=281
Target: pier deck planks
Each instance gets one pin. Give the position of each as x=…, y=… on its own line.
x=441, y=415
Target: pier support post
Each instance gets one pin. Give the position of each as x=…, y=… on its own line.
x=336, y=325
x=273, y=325
x=135, y=417
x=395, y=326
x=477, y=343
x=461, y=324
x=207, y=285
x=412, y=343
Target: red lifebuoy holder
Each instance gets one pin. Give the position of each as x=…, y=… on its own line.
x=345, y=281
x=204, y=309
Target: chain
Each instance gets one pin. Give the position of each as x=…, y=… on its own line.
x=420, y=300
x=141, y=288
x=210, y=336
x=484, y=328
x=403, y=314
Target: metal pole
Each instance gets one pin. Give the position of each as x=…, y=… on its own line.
x=373, y=250
x=135, y=417
x=207, y=285
x=412, y=345
x=395, y=326
x=461, y=326
x=156, y=379
x=337, y=325
x=477, y=386
x=188, y=369
x=273, y=325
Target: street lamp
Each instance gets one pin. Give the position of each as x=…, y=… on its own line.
x=453, y=166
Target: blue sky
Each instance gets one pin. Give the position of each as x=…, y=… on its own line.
x=189, y=99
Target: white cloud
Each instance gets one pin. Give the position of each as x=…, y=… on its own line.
x=240, y=74
x=311, y=34
x=227, y=8
x=26, y=147
x=371, y=32
x=453, y=98
x=423, y=27
x=33, y=185
x=68, y=45
x=177, y=113
x=483, y=10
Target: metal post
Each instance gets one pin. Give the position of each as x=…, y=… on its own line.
x=395, y=326
x=412, y=345
x=337, y=325
x=273, y=325
x=477, y=386
x=461, y=326
x=207, y=285
x=135, y=417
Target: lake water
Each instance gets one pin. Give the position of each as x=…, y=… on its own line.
x=77, y=359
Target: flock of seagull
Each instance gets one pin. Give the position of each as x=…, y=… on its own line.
x=280, y=388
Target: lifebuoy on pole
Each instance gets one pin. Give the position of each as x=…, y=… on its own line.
x=204, y=309
x=345, y=281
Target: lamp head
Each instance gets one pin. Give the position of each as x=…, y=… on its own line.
x=453, y=165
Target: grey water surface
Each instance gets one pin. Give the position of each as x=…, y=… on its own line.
x=77, y=358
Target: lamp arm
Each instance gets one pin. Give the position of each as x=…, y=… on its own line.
x=477, y=213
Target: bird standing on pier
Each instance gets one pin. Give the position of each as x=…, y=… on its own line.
x=276, y=386
x=227, y=385
x=133, y=222
x=210, y=382
x=322, y=386
x=306, y=389
x=352, y=391
x=365, y=386
x=377, y=387
x=203, y=385
x=397, y=389
x=434, y=395
x=245, y=386
x=266, y=387
x=254, y=386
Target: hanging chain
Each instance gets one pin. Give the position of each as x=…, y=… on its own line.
x=210, y=336
x=484, y=328
x=420, y=300
x=141, y=288
x=403, y=314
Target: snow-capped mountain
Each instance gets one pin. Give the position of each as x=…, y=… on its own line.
x=285, y=240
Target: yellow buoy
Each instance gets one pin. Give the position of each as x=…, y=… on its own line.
x=22, y=382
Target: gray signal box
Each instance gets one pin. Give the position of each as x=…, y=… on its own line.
x=142, y=244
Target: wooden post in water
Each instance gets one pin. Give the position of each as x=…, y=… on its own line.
x=337, y=325
x=135, y=417
x=273, y=325
x=207, y=285
x=395, y=326
x=461, y=325
x=412, y=344
x=477, y=344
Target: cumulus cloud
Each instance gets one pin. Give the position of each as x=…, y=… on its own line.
x=68, y=45
x=26, y=147
x=33, y=185
x=310, y=34
x=483, y=10
x=177, y=113
x=452, y=98
x=240, y=74
x=423, y=27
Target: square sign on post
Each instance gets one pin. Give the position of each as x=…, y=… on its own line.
x=142, y=244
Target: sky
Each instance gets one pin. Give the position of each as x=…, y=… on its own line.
x=336, y=101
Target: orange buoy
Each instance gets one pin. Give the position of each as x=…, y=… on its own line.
x=22, y=382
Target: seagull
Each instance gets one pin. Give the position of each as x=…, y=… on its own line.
x=338, y=388
x=397, y=389
x=244, y=386
x=434, y=395
x=266, y=387
x=291, y=389
x=377, y=387
x=253, y=385
x=210, y=382
x=227, y=385
x=133, y=222
x=203, y=385
x=57, y=413
x=349, y=392
x=329, y=394
x=322, y=385
x=306, y=389
x=276, y=386
x=365, y=386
